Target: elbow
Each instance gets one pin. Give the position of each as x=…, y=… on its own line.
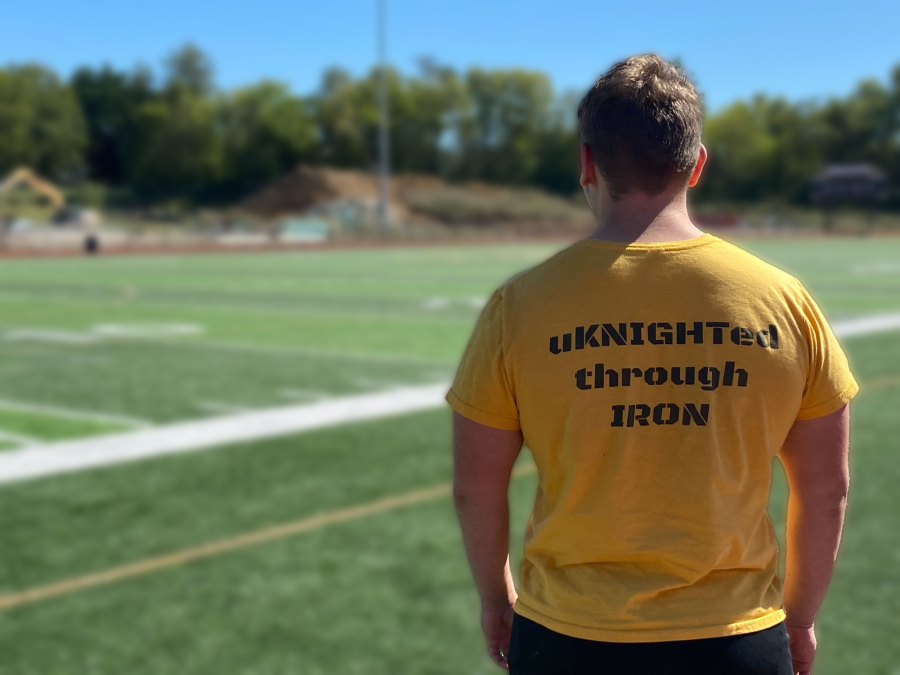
x=845, y=488
x=830, y=487
x=827, y=500
x=839, y=490
x=461, y=496
x=478, y=497
x=840, y=495
x=833, y=503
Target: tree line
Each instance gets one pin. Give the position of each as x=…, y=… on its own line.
x=172, y=135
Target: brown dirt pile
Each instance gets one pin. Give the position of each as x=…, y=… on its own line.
x=415, y=199
x=307, y=187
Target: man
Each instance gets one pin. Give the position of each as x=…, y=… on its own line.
x=654, y=372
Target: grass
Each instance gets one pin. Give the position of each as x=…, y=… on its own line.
x=51, y=428
x=389, y=592
x=165, y=381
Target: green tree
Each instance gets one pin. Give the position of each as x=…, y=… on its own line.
x=425, y=111
x=178, y=152
x=421, y=112
x=189, y=69
x=500, y=132
x=891, y=133
x=265, y=132
x=742, y=153
x=558, y=147
x=177, y=137
x=339, y=112
x=42, y=123
x=111, y=101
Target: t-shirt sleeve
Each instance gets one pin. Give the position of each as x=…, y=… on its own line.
x=481, y=391
x=829, y=383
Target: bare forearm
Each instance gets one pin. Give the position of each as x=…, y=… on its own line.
x=813, y=537
x=485, y=529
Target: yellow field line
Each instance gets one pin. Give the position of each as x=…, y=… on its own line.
x=151, y=565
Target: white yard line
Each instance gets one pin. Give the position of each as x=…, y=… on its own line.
x=304, y=351
x=71, y=456
x=877, y=268
x=103, y=333
x=50, y=335
x=866, y=325
x=69, y=413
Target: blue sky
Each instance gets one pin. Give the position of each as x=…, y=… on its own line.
x=733, y=49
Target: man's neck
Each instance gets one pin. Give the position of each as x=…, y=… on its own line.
x=636, y=218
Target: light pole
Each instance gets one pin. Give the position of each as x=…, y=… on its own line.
x=383, y=140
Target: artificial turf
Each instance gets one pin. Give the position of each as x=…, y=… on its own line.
x=389, y=592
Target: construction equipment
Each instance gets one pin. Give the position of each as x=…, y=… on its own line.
x=26, y=177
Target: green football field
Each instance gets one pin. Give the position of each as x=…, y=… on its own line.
x=369, y=577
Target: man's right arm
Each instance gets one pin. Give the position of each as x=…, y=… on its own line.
x=815, y=458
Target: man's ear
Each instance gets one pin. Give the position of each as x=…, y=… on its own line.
x=588, y=168
x=698, y=167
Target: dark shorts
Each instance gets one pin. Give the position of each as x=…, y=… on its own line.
x=535, y=650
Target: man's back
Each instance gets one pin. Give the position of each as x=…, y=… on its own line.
x=654, y=384
x=654, y=371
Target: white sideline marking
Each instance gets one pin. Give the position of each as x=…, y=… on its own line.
x=309, y=351
x=69, y=413
x=71, y=456
x=149, y=330
x=104, y=332
x=866, y=325
x=54, y=336
x=443, y=303
x=877, y=268
x=436, y=303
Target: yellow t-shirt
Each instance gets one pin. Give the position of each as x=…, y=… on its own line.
x=654, y=384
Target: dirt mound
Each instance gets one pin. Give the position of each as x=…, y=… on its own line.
x=404, y=183
x=307, y=187
x=415, y=199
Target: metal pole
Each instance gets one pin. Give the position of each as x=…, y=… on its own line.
x=383, y=140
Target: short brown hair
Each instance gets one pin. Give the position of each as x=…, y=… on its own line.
x=642, y=122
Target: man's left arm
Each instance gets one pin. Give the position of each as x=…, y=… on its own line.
x=483, y=459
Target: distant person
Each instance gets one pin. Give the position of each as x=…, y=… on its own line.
x=91, y=244
x=654, y=371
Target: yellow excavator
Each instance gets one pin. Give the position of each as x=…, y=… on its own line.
x=27, y=177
